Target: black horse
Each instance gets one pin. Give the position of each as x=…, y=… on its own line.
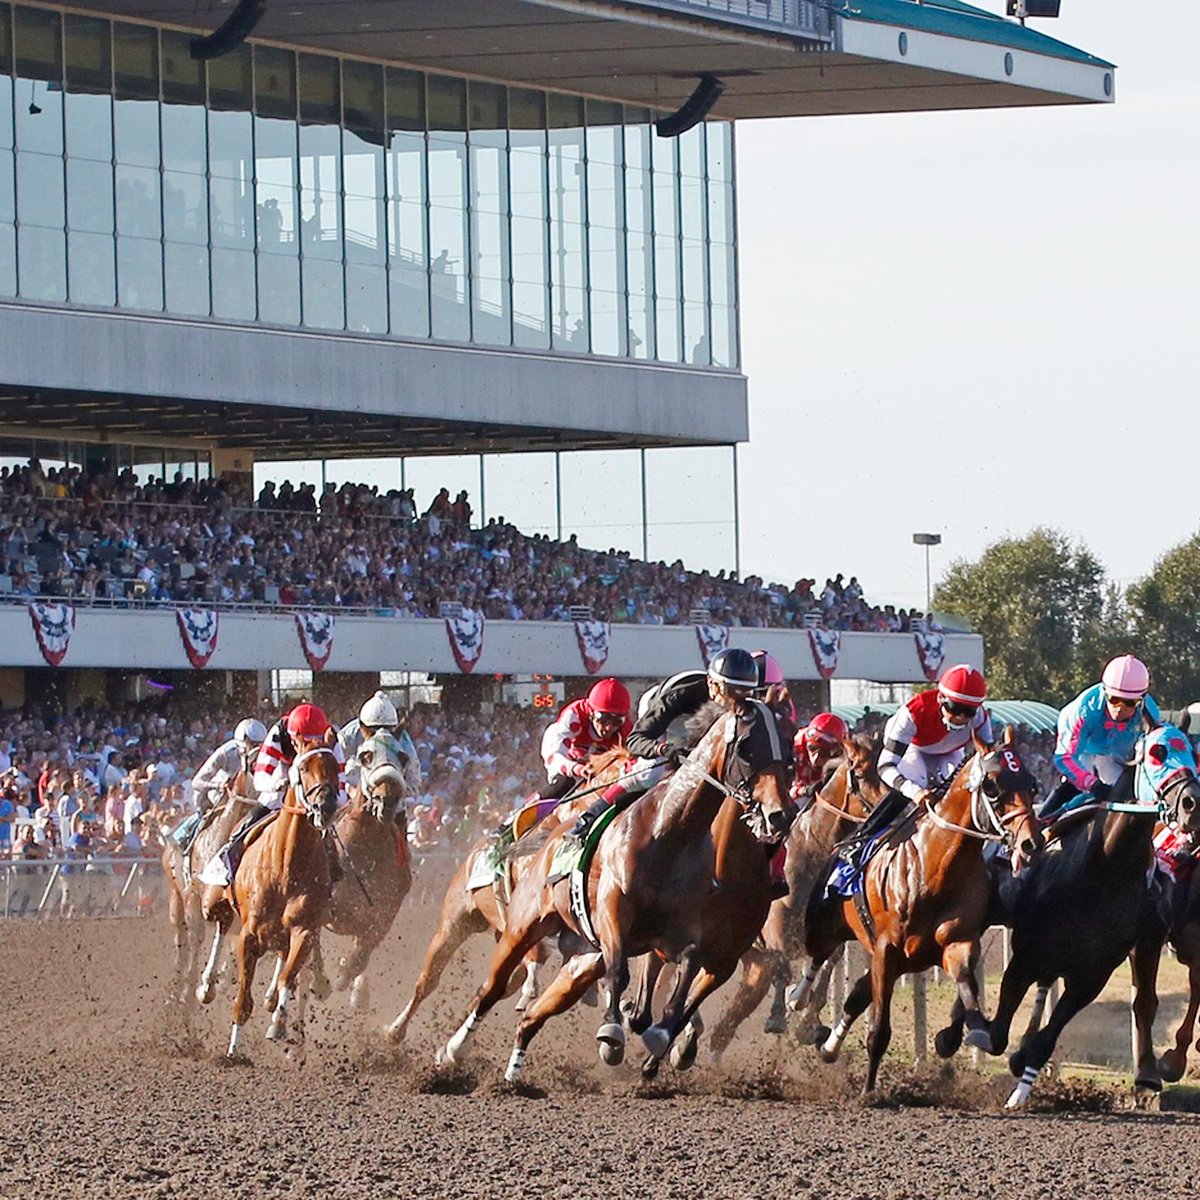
x=1078, y=912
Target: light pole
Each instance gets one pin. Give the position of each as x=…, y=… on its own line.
x=927, y=540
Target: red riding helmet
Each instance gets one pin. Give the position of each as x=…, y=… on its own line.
x=307, y=721
x=962, y=685
x=610, y=696
x=824, y=727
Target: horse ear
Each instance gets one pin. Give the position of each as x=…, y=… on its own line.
x=1185, y=721
x=1010, y=735
x=980, y=745
x=331, y=737
x=1148, y=722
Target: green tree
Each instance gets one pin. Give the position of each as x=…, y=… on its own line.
x=1047, y=618
x=1164, y=613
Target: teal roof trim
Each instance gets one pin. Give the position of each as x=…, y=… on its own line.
x=1031, y=713
x=956, y=19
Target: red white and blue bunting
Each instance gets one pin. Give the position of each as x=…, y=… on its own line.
x=593, y=638
x=316, y=637
x=198, y=632
x=713, y=639
x=53, y=625
x=826, y=645
x=931, y=650
x=466, y=638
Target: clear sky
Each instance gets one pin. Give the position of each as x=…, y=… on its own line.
x=972, y=323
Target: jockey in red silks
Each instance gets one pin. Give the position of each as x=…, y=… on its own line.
x=818, y=742
x=598, y=722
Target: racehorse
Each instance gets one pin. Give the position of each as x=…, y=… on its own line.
x=1083, y=909
x=184, y=891
x=372, y=830
x=924, y=897
x=851, y=790
x=668, y=877
x=1183, y=932
x=281, y=889
x=474, y=901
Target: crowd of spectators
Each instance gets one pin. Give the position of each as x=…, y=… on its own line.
x=111, y=538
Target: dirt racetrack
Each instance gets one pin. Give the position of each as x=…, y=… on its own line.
x=107, y=1091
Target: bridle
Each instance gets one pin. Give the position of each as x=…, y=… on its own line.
x=313, y=800
x=988, y=822
x=853, y=791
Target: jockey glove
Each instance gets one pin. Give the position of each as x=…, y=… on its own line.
x=676, y=753
x=1100, y=790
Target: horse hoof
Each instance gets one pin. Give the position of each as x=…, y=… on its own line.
x=270, y=1000
x=205, y=993
x=657, y=1041
x=797, y=996
x=1171, y=1068
x=947, y=1041
x=820, y=1034
x=522, y=1003
x=1020, y=1096
x=650, y=1068
x=321, y=989
x=276, y=1033
x=1016, y=1064
x=827, y=1053
x=612, y=1054
x=979, y=1039
x=775, y=1023
x=445, y=1057
x=611, y=1033
x=683, y=1057
x=1148, y=1083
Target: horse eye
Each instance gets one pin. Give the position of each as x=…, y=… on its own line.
x=1158, y=753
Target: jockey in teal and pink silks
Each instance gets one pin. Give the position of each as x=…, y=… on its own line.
x=1098, y=730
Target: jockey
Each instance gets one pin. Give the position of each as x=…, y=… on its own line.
x=660, y=738
x=818, y=742
x=379, y=713
x=304, y=729
x=585, y=727
x=218, y=771
x=923, y=742
x=772, y=691
x=1098, y=730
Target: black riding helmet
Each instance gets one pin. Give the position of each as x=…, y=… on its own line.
x=734, y=668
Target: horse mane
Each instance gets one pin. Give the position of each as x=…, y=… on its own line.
x=606, y=758
x=703, y=720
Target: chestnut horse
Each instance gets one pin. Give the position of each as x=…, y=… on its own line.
x=1079, y=912
x=184, y=891
x=468, y=910
x=925, y=896
x=667, y=877
x=281, y=890
x=377, y=877
x=851, y=790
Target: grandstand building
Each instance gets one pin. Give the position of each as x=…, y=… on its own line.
x=411, y=228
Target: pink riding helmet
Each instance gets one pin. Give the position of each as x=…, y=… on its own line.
x=1126, y=677
x=769, y=670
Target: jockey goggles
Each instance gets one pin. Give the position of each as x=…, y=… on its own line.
x=1130, y=702
x=954, y=709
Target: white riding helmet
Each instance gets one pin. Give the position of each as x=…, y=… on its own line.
x=250, y=731
x=379, y=713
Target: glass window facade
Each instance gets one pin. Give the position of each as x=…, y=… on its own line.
x=300, y=189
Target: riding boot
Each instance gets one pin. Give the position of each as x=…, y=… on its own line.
x=231, y=853
x=1058, y=799
x=578, y=831
x=878, y=820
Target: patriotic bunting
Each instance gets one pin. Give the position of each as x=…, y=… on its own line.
x=931, y=650
x=826, y=645
x=713, y=639
x=316, y=637
x=198, y=631
x=593, y=638
x=53, y=625
x=466, y=638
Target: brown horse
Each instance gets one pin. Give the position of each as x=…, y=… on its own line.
x=667, y=877
x=851, y=790
x=468, y=909
x=184, y=891
x=925, y=896
x=281, y=889
x=378, y=872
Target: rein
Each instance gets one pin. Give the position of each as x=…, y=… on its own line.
x=851, y=791
x=978, y=801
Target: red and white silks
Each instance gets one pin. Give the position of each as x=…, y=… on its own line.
x=198, y=632
x=713, y=639
x=593, y=638
x=466, y=638
x=316, y=637
x=53, y=625
x=931, y=650
x=826, y=645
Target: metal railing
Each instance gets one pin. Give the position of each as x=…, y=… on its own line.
x=806, y=17
x=91, y=887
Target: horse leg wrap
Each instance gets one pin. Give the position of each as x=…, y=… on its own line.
x=516, y=1065
x=798, y=994
x=837, y=1035
x=235, y=1036
x=278, y=1026
x=1023, y=1090
x=455, y=1045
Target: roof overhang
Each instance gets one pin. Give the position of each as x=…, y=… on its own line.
x=794, y=58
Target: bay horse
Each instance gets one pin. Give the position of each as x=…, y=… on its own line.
x=184, y=891
x=851, y=789
x=1083, y=909
x=925, y=897
x=372, y=830
x=668, y=877
x=469, y=908
x=281, y=890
